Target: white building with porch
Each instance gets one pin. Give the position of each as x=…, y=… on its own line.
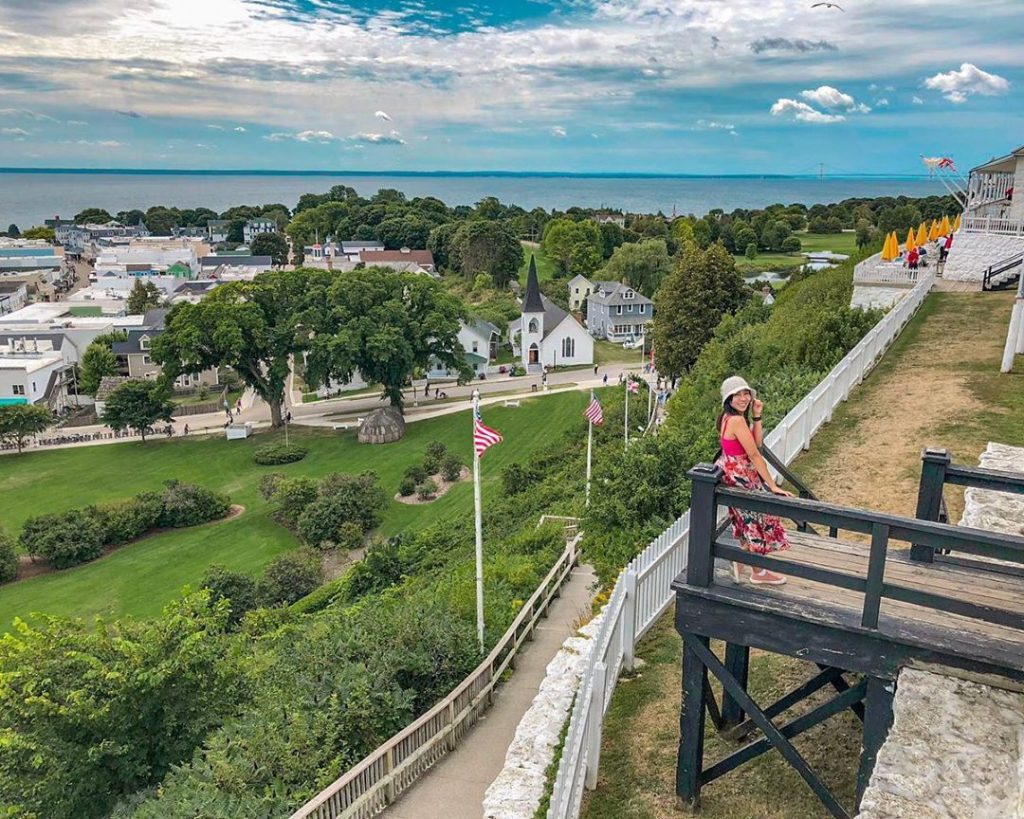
x=545, y=335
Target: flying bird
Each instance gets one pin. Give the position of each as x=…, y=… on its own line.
x=382, y=115
x=828, y=6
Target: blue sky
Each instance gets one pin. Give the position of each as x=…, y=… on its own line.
x=673, y=86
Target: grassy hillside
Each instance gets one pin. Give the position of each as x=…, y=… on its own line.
x=545, y=267
x=140, y=578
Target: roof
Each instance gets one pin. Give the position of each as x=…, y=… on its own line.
x=614, y=295
x=227, y=258
x=179, y=269
x=108, y=384
x=55, y=337
x=155, y=318
x=579, y=277
x=422, y=257
x=532, y=300
x=1004, y=164
x=553, y=315
x=483, y=327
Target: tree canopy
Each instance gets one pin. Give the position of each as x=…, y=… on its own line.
x=98, y=360
x=641, y=265
x=386, y=325
x=38, y=232
x=273, y=245
x=92, y=216
x=488, y=247
x=574, y=246
x=18, y=421
x=143, y=297
x=137, y=404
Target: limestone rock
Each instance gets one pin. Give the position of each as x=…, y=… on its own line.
x=870, y=297
x=382, y=426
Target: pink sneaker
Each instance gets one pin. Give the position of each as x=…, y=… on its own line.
x=763, y=577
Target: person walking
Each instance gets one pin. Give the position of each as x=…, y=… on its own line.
x=605, y=379
x=744, y=467
x=186, y=429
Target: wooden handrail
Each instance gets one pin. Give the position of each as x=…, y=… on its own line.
x=327, y=804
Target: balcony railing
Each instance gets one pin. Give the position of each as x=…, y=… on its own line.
x=1001, y=227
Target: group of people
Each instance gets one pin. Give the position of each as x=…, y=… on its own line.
x=915, y=257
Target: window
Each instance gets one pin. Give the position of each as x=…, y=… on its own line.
x=147, y=360
x=628, y=294
x=534, y=326
x=568, y=348
x=629, y=308
x=476, y=346
x=19, y=389
x=618, y=309
x=643, y=309
x=144, y=343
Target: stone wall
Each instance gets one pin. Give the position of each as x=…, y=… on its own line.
x=870, y=296
x=954, y=752
x=973, y=253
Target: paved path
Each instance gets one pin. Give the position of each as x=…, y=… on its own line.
x=454, y=788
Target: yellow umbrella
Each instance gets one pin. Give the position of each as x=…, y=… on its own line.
x=944, y=228
x=911, y=244
x=891, y=248
x=885, y=247
x=956, y=223
x=933, y=234
x=922, y=234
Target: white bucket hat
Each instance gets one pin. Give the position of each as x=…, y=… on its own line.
x=734, y=384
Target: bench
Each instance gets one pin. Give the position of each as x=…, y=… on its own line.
x=512, y=403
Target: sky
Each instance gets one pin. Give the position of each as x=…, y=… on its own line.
x=585, y=86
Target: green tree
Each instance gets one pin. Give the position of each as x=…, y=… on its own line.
x=682, y=230
x=137, y=404
x=273, y=245
x=134, y=216
x=575, y=247
x=98, y=360
x=253, y=327
x=143, y=297
x=751, y=252
x=18, y=421
x=440, y=245
x=238, y=588
x=92, y=216
x=8, y=558
x=44, y=233
x=641, y=265
x=386, y=325
x=12, y=231
x=864, y=233
x=92, y=714
x=289, y=577
x=161, y=221
x=484, y=246
x=692, y=300
x=612, y=236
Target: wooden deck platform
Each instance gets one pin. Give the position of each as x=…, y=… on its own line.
x=918, y=633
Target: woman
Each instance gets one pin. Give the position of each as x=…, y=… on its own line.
x=744, y=467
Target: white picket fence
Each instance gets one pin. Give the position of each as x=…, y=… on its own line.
x=642, y=592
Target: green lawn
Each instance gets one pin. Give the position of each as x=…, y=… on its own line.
x=608, y=352
x=835, y=242
x=809, y=243
x=139, y=579
x=545, y=267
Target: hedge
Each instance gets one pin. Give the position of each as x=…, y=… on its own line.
x=275, y=454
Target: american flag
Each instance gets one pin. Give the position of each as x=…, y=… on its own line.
x=483, y=436
x=633, y=386
x=946, y=162
x=593, y=412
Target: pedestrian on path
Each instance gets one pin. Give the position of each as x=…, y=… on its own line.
x=595, y=369
x=186, y=429
x=744, y=467
x=605, y=379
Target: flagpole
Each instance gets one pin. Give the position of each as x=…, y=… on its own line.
x=625, y=424
x=590, y=449
x=479, y=531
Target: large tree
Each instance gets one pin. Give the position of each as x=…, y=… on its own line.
x=273, y=245
x=484, y=246
x=254, y=327
x=691, y=301
x=143, y=297
x=18, y=421
x=92, y=216
x=575, y=247
x=641, y=265
x=39, y=232
x=98, y=360
x=12, y=231
x=137, y=404
x=386, y=325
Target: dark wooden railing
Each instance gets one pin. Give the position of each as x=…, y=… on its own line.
x=704, y=547
x=802, y=490
x=1003, y=266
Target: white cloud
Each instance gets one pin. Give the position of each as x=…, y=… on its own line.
x=917, y=100
x=26, y=114
x=204, y=147
x=103, y=143
x=239, y=129
x=861, y=108
x=882, y=103
x=715, y=125
x=15, y=132
x=316, y=136
x=77, y=122
x=370, y=138
x=215, y=127
x=558, y=131
x=277, y=137
x=826, y=96
x=802, y=112
x=957, y=86
x=384, y=115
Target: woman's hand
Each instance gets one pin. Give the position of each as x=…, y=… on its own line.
x=758, y=407
x=778, y=490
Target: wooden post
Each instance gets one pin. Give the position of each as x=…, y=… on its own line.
x=700, y=567
x=389, y=767
x=929, y=496
x=629, y=621
x=876, y=575
x=596, y=720
x=690, y=761
x=737, y=660
x=877, y=721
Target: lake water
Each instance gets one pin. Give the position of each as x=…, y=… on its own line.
x=26, y=198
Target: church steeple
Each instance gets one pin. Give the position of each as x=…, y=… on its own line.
x=531, y=300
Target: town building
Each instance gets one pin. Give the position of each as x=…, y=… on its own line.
x=611, y=219
x=580, y=288
x=136, y=355
x=13, y=296
x=399, y=259
x=32, y=372
x=56, y=324
x=545, y=335
x=255, y=227
x=617, y=312
x=217, y=230
x=480, y=340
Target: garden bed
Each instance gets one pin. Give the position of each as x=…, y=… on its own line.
x=442, y=487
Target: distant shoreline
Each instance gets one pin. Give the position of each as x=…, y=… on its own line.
x=449, y=174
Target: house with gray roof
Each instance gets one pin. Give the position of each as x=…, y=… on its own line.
x=135, y=355
x=479, y=340
x=617, y=312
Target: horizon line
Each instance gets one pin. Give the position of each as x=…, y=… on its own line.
x=442, y=172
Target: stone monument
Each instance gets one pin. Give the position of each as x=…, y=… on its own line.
x=382, y=426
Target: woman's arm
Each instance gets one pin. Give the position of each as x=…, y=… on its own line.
x=758, y=429
x=738, y=426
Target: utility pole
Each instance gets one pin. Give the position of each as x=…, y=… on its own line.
x=821, y=171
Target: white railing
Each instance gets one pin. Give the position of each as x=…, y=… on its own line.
x=874, y=271
x=643, y=591
x=985, y=224
x=989, y=187
x=376, y=781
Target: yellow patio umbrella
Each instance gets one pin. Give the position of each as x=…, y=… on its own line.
x=956, y=223
x=890, y=250
x=922, y=234
x=885, y=247
x=944, y=228
x=911, y=243
x=933, y=234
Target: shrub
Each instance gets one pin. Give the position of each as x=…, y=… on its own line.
x=516, y=478
x=269, y=485
x=274, y=454
x=427, y=490
x=293, y=496
x=361, y=496
x=186, y=504
x=751, y=251
x=350, y=536
x=416, y=473
x=451, y=468
x=792, y=245
x=406, y=487
x=289, y=577
x=130, y=519
x=8, y=559
x=436, y=450
x=64, y=538
x=238, y=588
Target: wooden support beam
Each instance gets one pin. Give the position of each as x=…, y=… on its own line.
x=737, y=660
x=929, y=495
x=828, y=676
x=877, y=721
x=700, y=566
x=691, y=724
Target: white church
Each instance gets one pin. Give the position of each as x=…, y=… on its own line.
x=545, y=335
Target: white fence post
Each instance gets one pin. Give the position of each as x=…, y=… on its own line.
x=597, y=694
x=629, y=620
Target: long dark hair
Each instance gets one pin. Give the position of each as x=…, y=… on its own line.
x=728, y=410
